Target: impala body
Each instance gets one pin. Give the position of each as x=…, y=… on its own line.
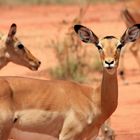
x=64, y=109
x=38, y=110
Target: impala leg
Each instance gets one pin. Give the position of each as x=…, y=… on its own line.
x=6, y=110
x=4, y=133
x=5, y=124
x=69, y=130
x=71, y=127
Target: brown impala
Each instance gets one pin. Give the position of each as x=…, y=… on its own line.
x=64, y=109
x=12, y=50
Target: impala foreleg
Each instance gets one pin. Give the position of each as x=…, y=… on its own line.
x=70, y=130
x=71, y=127
x=5, y=124
x=6, y=110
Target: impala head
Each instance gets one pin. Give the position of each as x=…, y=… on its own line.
x=16, y=52
x=109, y=47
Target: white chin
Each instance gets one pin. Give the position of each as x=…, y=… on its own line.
x=33, y=69
x=111, y=71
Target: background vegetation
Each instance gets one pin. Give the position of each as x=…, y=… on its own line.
x=75, y=61
x=19, y=2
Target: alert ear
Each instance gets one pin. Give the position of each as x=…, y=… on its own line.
x=131, y=34
x=12, y=30
x=86, y=35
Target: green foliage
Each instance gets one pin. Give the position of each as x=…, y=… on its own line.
x=96, y=66
x=73, y=58
x=69, y=66
x=69, y=71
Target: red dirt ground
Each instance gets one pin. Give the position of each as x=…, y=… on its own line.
x=38, y=25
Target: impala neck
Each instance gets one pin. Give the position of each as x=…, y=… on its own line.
x=109, y=93
x=3, y=62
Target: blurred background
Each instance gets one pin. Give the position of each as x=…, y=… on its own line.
x=36, y=2
x=46, y=28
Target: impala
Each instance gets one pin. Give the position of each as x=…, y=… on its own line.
x=12, y=50
x=65, y=109
x=134, y=47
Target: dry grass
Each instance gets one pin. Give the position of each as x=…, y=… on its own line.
x=73, y=58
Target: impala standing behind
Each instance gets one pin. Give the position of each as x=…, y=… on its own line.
x=12, y=50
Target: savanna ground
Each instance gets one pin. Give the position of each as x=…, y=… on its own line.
x=38, y=25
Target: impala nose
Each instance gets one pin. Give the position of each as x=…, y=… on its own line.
x=109, y=63
x=34, y=65
x=39, y=62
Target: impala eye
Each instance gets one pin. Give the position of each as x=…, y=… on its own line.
x=99, y=47
x=119, y=46
x=20, y=46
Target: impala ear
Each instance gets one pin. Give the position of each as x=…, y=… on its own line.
x=131, y=34
x=12, y=30
x=86, y=35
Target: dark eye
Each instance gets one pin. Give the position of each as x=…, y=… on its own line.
x=99, y=47
x=20, y=46
x=119, y=46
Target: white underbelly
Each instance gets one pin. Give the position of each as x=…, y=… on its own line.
x=39, y=121
x=17, y=134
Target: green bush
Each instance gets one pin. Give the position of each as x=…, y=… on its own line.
x=73, y=58
x=68, y=71
x=69, y=66
x=97, y=66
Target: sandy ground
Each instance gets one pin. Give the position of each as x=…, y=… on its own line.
x=38, y=25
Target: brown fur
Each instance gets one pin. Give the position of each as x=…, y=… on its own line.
x=10, y=51
x=64, y=109
x=130, y=18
